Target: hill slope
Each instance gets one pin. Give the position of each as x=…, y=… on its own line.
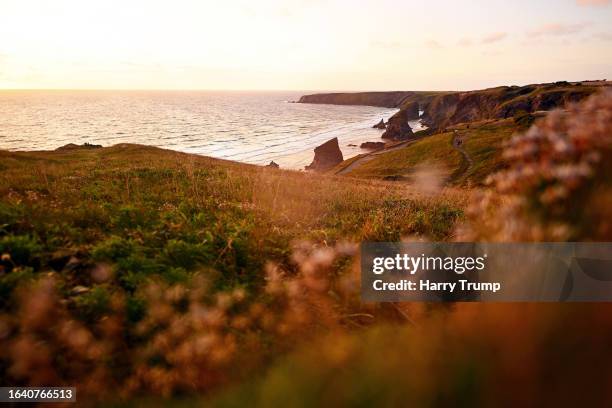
x=469, y=162
x=177, y=213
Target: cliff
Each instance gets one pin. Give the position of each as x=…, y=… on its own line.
x=448, y=108
x=392, y=99
x=501, y=102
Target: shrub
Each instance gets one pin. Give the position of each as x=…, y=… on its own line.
x=22, y=249
x=112, y=249
x=557, y=186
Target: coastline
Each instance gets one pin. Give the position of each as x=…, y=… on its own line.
x=253, y=128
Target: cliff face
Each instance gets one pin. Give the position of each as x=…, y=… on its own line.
x=448, y=108
x=382, y=99
x=502, y=102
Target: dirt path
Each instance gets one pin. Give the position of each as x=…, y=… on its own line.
x=457, y=143
x=369, y=156
x=467, y=163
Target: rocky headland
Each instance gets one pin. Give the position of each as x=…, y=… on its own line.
x=502, y=102
x=391, y=99
x=446, y=108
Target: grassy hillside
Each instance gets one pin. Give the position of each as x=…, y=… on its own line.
x=134, y=272
x=482, y=141
x=131, y=254
x=149, y=211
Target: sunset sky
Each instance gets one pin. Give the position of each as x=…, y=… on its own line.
x=301, y=44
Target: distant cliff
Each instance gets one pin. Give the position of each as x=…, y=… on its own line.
x=501, y=102
x=393, y=99
x=443, y=109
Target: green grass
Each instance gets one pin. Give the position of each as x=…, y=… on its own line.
x=435, y=150
x=149, y=212
x=345, y=164
x=482, y=141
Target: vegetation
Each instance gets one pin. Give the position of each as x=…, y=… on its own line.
x=482, y=141
x=146, y=211
x=133, y=271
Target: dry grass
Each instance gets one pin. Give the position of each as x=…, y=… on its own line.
x=134, y=272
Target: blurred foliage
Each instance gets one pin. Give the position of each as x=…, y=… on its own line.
x=133, y=272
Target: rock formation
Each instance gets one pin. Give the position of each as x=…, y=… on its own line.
x=443, y=109
x=380, y=125
x=503, y=102
x=398, y=127
x=72, y=146
x=327, y=156
x=411, y=110
x=273, y=165
x=372, y=145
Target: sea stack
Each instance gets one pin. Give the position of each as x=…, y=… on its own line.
x=398, y=127
x=411, y=110
x=380, y=125
x=327, y=156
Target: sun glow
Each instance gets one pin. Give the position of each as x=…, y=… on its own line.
x=296, y=44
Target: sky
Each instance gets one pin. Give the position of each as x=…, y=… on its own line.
x=301, y=44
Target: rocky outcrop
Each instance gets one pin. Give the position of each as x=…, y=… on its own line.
x=72, y=146
x=380, y=125
x=273, y=165
x=398, y=127
x=327, y=156
x=372, y=145
x=502, y=102
x=411, y=110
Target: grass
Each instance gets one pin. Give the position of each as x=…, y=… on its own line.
x=134, y=272
x=136, y=250
x=481, y=140
x=149, y=212
x=483, y=143
x=436, y=149
x=345, y=164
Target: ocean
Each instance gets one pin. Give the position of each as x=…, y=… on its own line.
x=250, y=127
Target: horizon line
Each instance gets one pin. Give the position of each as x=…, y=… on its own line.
x=286, y=90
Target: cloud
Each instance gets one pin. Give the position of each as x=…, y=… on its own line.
x=433, y=44
x=603, y=36
x=493, y=37
x=593, y=2
x=557, y=29
x=465, y=42
x=492, y=53
x=385, y=44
